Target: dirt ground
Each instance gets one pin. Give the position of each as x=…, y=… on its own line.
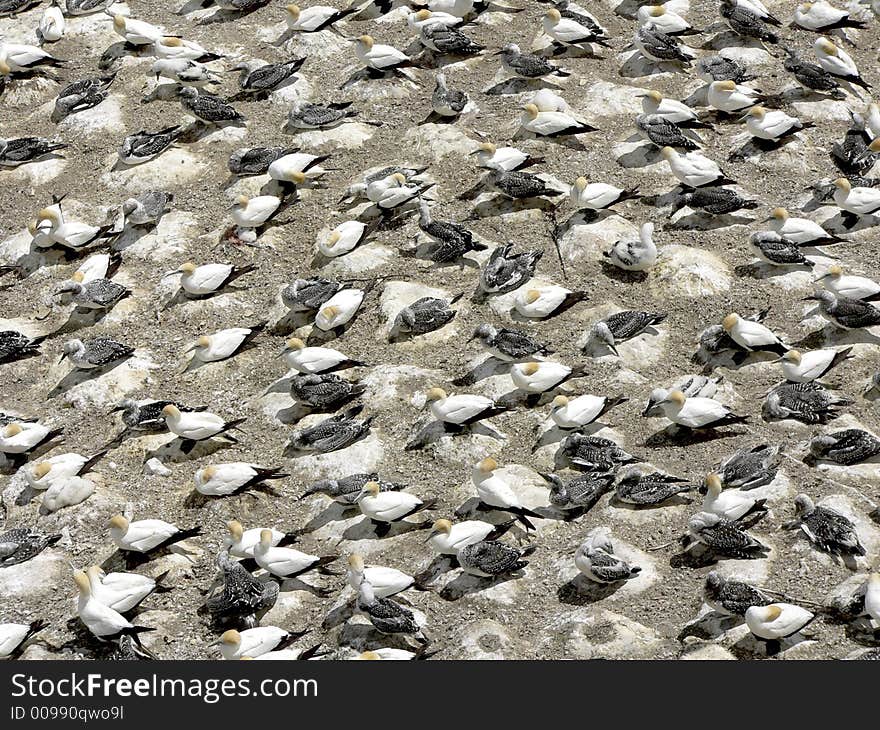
x=704, y=273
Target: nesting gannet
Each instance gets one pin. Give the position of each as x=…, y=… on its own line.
x=147, y=208
x=722, y=537
x=136, y=32
x=377, y=56
x=259, y=78
x=297, y=356
x=655, y=104
x=580, y=494
x=619, y=327
x=461, y=410
x=385, y=581
x=286, y=562
x=495, y=492
x=146, y=416
x=387, y=616
x=751, y=335
x=730, y=596
x=856, y=200
x=442, y=38
x=20, y=437
x=750, y=467
x=23, y=57
x=527, y=65
x=821, y=16
x=66, y=492
x=697, y=412
x=826, y=528
x=594, y=453
x=846, y=313
x=722, y=68
x=838, y=62
x=504, y=159
x=255, y=160
x=640, y=488
x=509, y=345
x=663, y=19
x=731, y=504
x=243, y=597
x=803, y=367
x=220, y=480
x=20, y=544
x=13, y=636
x=539, y=377
x=663, y=133
x=198, y=425
x=658, y=46
x=847, y=285
x=145, y=536
x=693, y=169
x=585, y=195
x=596, y=560
x=847, y=447
x=635, y=255
x=809, y=75
x=346, y=489
x=184, y=71
x=386, y=507
x=305, y=115
x=568, y=32
x=447, y=538
x=207, y=108
x=315, y=18
x=285, y=167
x=581, y=411
x=205, y=279
x=490, y=559
x=41, y=474
x=424, y=17
x=422, y=316
x=519, y=185
x=332, y=434
x=80, y=95
x=119, y=591
x=241, y=543
x=52, y=24
x=102, y=621
x=506, y=271
x=253, y=642
x=744, y=22
x=176, y=48
x=15, y=152
x=144, y=146
x=253, y=212
x=777, y=620
x=772, y=125
x=776, y=250
x=95, y=294
x=324, y=391
x=690, y=385
x=15, y=345
x=805, y=402
x=799, y=230
x=223, y=344
x=542, y=302
x=449, y=241
x=309, y=295
x=730, y=97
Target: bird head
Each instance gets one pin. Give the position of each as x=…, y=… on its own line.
x=82, y=583
x=187, y=268
x=486, y=148
x=235, y=529
x=532, y=296
x=171, y=411
x=724, y=86
x=208, y=472
x=656, y=11
x=843, y=184
x=826, y=46
x=581, y=184
x=366, y=42
x=487, y=465
x=560, y=401
x=729, y=322
x=792, y=356
x=118, y=522
x=530, y=368
x=293, y=11
x=531, y=111
x=332, y=239
x=41, y=469
x=554, y=15
x=172, y=41
x=296, y=176
x=266, y=538
x=13, y=429
x=370, y=489
x=356, y=563
x=295, y=343
x=713, y=484
x=435, y=394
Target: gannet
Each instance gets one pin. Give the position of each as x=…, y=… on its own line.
x=750, y=467
x=776, y=250
x=846, y=285
x=821, y=16
x=539, y=377
x=339, y=309
x=184, y=71
x=241, y=543
x=567, y=31
x=582, y=410
x=243, y=597
x=730, y=97
x=197, y=425
x=751, y=335
x=441, y=37
x=13, y=636
x=805, y=402
x=144, y=146
x=803, y=367
x=838, y=62
x=253, y=212
x=488, y=559
x=207, y=108
x=654, y=103
x=422, y=316
x=379, y=57
x=585, y=195
x=663, y=133
x=460, y=410
x=658, y=46
x=253, y=642
x=542, y=302
x=506, y=271
x=690, y=385
x=809, y=75
x=722, y=68
x=661, y=18
x=66, y=492
x=80, y=95
x=383, y=508
x=20, y=544
x=505, y=159
x=134, y=31
x=101, y=620
x=509, y=345
x=305, y=115
x=635, y=255
x=234, y=477
x=297, y=356
x=332, y=434
x=52, y=24
x=826, y=528
x=387, y=616
x=286, y=562
x=846, y=313
x=799, y=230
x=731, y=597
x=723, y=538
x=447, y=538
x=634, y=486
x=619, y=327
x=697, y=412
x=856, y=200
x=744, y=22
x=19, y=437
x=693, y=169
x=847, y=447
x=204, y=279
x=580, y=494
x=777, y=620
x=495, y=492
x=15, y=152
x=594, y=453
x=173, y=47
x=772, y=125
x=119, y=591
x=345, y=490
x=315, y=18
x=527, y=65
x=731, y=504
x=385, y=581
x=40, y=475
x=596, y=560
x=223, y=344
x=145, y=536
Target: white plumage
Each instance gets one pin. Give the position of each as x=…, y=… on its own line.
x=253, y=212
x=499, y=158
x=672, y=110
x=119, y=591
x=241, y=542
x=540, y=301
x=204, y=279
x=385, y=581
x=309, y=19
x=635, y=255
x=796, y=230
x=692, y=168
x=777, y=621
x=548, y=123
x=52, y=24
x=218, y=480
x=658, y=17
x=281, y=561
x=818, y=14
x=339, y=309
x=457, y=408
x=192, y=425
x=385, y=506
x=872, y=598
x=447, y=538
x=834, y=59
x=847, y=285
x=303, y=359
x=731, y=504
x=250, y=642
x=101, y=620
x=40, y=475
x=140, y=536
x=749, y=334
x=220, y=345
x=770, y=125
x=565, y=30
x=728, y=96
x=695, y=412
x=378, y=56
x=137, y=32
x=11, y=637
x=23, y=56
x=576, y=412
x=856, y=200
x=491, y=488
x=66, y=492
x=177, y=48
x=804, y=367
x=20, y=437
x=538, y=377
x=342, y=239
x=594, y=196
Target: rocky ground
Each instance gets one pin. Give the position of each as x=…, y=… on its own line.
x=704, y=272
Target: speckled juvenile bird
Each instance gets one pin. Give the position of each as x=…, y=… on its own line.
x=596, y=560
x=847, y=447
x=207, y=108
x=635, y=254
x=309, y=295
x=20, y=544
x=14, y=345
x=846, y=313
x=306, y=115
x=520, y=185
x=620, y=327
x=147, y=416
x=256, y=160
x=509, y=345
x=730, y=596
x=147, y=208
x=653, y=488
x=826, y=528
x=722, y=68
x=722, y=538
x=332, y=434
x=506, y=271
x=263, y=78
x=449, y=241
x=144, y=146
x=18, y=151
x=96, y=294
x=712, y=199
x=594, y=453
x=658, y=46
x=528, y=65
x=447, y=102
x=489, y=559
x=97, y=352
x=810, y=75
x=324, y=391
x=804, y=402
x=242, y=597
x=660, y=132
x=81, y=95
x=750, y=467
x=580, y=494
x=422, y=316
x=776, y=250
x=447, y=40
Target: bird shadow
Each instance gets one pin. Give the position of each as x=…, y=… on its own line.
x=638, y=66
x=291, y=321
x=729, y=39
x=701, y=221
x=673, y=435
x=622, y=275
x=334, y=512
x=438, y=566
x=77, y=376
x=642, y=156
x=466, y=584
x=845, y=222
x=490, y=367
x=581, y=591
x=711, y=625
x=432, y=431
x=761, y=271
x=366, y=529
x=180, y=450
x=520, y=86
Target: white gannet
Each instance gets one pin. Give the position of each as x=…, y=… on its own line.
x=19, y=437
x=799, y=230
x=208, y=278
x=585, y=195
x=838, y=62
x=856, y=200
x=101, y=620
x=821, y=15
x=253, y=212
x=387, y=507
x=184, y=71
x=241, y=543
x=172, y=47
x=495, y=492
x=693, y=169
x=144, y=536
x=339, y=309
x=233, y=477
x=777, y=621
x=462, y=409
x=309, y=360
x=385, y=581
x=730, y=97
x=804, y=367
x=136, y=32
x=40, y=475
x=253, y=642
x=663, y=19
x=872, y=598
x=447, y=538
x=696, y=412
x=14, y=636
x=315, y=18
x=222, y=344
x=52, y=24
x=731, y=504
x=848, y=285
x=119, y=591
x=344, y=238
x=581, y=411
x=197, y=425
x=752, y=335
x=653, y=102
x=502, y=158
x=772, y=125
x=635, y=255
x=376, y=56
x=539, y=377
x=540, y=302
x=285, y=562
x=19, y=57
x=567, y=31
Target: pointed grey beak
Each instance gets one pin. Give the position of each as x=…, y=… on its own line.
x=431, y=534
x=819, y=278
x=281, y=354
x=360, y=496
x=61, y=359
x=613, y=349
x=170, y=273
x=648, y=408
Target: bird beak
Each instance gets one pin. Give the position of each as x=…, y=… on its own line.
x=192, y=347
x=613, y=349
x=743, y=118
x=431, y=534
x=497, y=53
x=648, y=408
x=216, y=642
x=61, y=359
x=768, y=219
x=116, y=409
x=819, y=278
x=810, y=299
x=360, y=496
x=170, y=273
x=280, y=354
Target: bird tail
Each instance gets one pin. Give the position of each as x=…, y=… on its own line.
x=290, y=639
x=182, y=535
x=92, y=460
x=35, y=628
x=233, y=424
x=612, y=403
